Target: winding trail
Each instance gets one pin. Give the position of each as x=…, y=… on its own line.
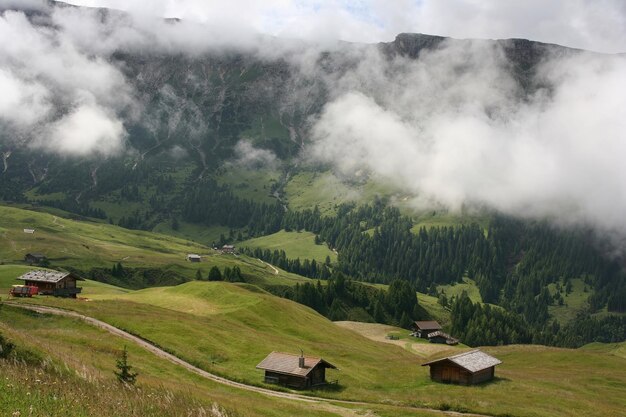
x=270, y=265
x=330, y=403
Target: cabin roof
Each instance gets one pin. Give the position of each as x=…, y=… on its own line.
x=439, y=333
x=472, y=361
x=36, y=255
x=228, y=247
x=428, y=324
x=287, y=363
x=40, y=275
x=193, y=255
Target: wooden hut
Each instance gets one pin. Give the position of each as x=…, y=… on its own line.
x=424, y=328
x=294, y=371
x=192, y=257
x=34, y=258
x=467, y=368
x=442, y=338
x=59, y=284
x=228, y=249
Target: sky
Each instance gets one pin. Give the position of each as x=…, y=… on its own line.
x=598, y=25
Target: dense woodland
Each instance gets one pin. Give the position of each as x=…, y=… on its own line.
x=512, y=262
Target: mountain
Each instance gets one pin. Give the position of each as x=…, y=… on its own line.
x=215, y=141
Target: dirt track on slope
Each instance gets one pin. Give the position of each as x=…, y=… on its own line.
x=329, y=404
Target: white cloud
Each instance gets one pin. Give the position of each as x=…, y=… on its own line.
x=249, y=156
x=43, y=75
x=86, y=130
x=598, y=25
x=465, y=136
x=22, y=103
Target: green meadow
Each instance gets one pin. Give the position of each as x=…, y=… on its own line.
x=295, y=244
x=228, y=328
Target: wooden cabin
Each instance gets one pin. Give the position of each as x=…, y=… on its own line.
x=192, y=257
x=442, y=338
x=294, y=371
x=59, y=284
x=424, y=328
x=467, y=368
x=34, y=258
x=228, y=249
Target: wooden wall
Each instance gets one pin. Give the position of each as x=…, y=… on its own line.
x=449, y=372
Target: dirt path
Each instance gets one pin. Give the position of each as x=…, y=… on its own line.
x=270, y=265
x=326, y=403
x=55, y=221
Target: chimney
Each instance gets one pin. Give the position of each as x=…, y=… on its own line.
x=301, y=359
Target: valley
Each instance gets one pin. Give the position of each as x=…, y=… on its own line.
x=306, y=209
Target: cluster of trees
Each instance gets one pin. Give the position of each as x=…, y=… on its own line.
x=479, y=324
x=134, y=278
x=215, y=274
x=344, y=299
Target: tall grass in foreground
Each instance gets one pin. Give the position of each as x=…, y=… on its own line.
x=42, y=390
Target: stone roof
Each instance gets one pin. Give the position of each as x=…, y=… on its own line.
x=473, y=361
x=429, y=324
x=449, y=339
x=194, y=255
x=288, y=364
x=40, y=275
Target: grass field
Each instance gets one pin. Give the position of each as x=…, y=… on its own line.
x=228, y=328
x=86, y=386
x=574, y=302
x=455, y=290
x=250, y=184
x=84, y=245
x=440, y=219
x=295, y=244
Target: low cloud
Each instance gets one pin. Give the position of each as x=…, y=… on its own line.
x=458, y=131
x=49, y=87
x=248, y=156
x=86, y=130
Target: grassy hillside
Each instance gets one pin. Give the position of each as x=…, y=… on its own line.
x=229, y=328
x=76, y=378
x=295, y=244
x=455, y=290
x=85, y=245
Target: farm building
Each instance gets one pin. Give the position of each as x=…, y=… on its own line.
x=192, y=257
x=59, y=284
x=29, y=231
x=34, y=258
x=294, y=371
x=468, y=368
x=228, y=249
x=443, y=338
x=424, y=328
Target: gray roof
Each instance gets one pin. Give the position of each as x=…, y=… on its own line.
x=193, y=255
x=40, y=275
x=473, y=361
x=429, y=324
x=286, y=363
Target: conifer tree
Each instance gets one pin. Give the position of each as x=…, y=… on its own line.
x=124, y=373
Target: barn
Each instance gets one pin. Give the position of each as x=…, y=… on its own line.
x=228, y=249
x=192, y=257
x=467, y=368
x=294, y=371
x=59, y=284
x=34, y=258
x=424, y=328
x=441, y=337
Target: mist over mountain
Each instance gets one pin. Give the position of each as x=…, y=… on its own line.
x=523, y=128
